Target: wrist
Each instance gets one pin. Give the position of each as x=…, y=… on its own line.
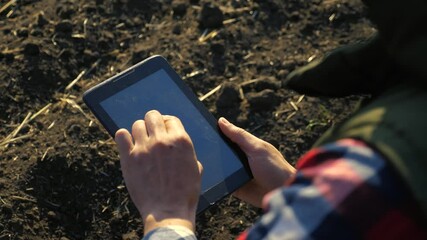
x=158, y=219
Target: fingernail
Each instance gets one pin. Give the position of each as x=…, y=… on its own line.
x=225, y=121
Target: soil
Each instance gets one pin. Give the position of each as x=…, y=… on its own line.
x=59, y=172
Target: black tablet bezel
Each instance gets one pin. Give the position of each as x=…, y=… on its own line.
x=94, y=96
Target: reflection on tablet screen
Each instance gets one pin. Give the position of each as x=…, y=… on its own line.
x=158, y=91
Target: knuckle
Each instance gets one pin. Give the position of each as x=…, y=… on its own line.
x=163, y=145
x=160, y=144
x=261, y=146
x=173, y=118
x=151, y=112
x=139, y=154
x=183, y=140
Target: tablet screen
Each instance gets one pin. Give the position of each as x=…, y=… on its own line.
x=158, y=91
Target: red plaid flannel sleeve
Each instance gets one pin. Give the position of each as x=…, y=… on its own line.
x=344, y=190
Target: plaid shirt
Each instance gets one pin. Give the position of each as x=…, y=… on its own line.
x=344, y=190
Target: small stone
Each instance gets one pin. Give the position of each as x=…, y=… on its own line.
x=282, y=74
x=6, y=210
x=218, y=48
x=6, y=31
x=93, y=129
x=176, y=29
x=267, y=83
x=211, y=17
x=52, y=215
x=31, y=49
x=74, y=130
x=22, y=32
x=41, y=20
x=229, y=96
x=89, y=57
x=65, y=12
x=264, y=100
x=179, y=8
x=36, y=32
x=9, y=57
x=65, y=26
x=89, y=9
x=103, y=44
x=15, y=225
x=66, y=54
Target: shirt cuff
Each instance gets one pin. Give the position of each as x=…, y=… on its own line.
x=170, y=232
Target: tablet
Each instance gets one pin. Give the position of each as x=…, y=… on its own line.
x=153, y=85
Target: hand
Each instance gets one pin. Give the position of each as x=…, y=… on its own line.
x=394, y=55
x=356, y=69
x=268, y=166
x=160, y=170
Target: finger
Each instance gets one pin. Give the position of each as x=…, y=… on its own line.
x=244, y=139
x=124, y=142
x=139, y=132
x=173, y=124
x=154, y=123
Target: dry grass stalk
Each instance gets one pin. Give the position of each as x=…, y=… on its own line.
x=51, y=125
x=210, y=93
x=7, y=5
x=30, y=117
x=74, y=105
x=242, y=95
x=45, y=153
x=10, y=13
x=294, y=106
x=290, y=116
x=248, y=56
x=40, y=112
x=230, y=10
x=52, y=204
x=15, y=50
x=279, y=113
x=11, y=140
x=311, y=58
x=82, y=74
x=194, y=73
x=230, y=21
x=107, y=142
x=300, y=99
x=250, y=81
x=15, y=132
x=207, y=36
x=24, y=199
x=330, y=2
x=3, y=201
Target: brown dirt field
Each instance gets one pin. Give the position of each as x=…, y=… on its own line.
x=59, y=172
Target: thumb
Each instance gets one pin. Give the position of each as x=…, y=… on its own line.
x=124, y=142
x=244, y=139
x=200, y=166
